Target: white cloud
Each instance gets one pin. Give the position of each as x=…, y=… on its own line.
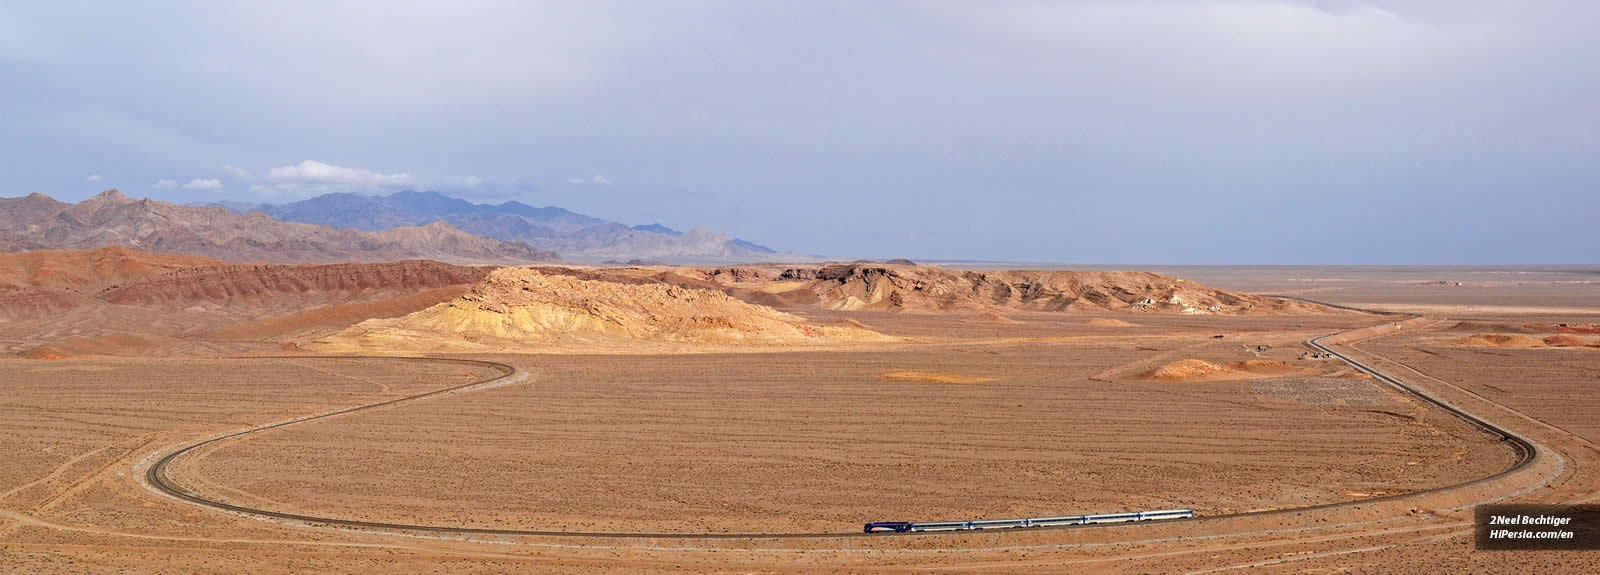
x=92, y=178
x=602, y=180
x=578, y=181
x=318, y=173
x=239, y=173
x=163, y=184
x=203, y=184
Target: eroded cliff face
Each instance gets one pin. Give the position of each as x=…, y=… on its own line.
x=515, y=308
x=312, y=283
x=911, y=288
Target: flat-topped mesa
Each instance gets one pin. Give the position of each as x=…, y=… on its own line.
x=517, y=307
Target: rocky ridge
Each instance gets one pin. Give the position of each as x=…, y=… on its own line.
x=930, y=289
x=37, y=222
x=515, y=308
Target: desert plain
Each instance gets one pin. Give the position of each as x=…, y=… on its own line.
x=751, y=419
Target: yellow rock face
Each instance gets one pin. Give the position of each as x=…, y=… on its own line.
x=519, y=307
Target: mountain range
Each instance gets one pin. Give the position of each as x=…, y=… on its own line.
x=572, y=234
x=37, y=222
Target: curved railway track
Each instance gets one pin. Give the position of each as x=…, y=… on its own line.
x=156, y=475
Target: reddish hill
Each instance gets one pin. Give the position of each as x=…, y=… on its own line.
x=283, y=285
x=36, y=284
x=90, y=271
x=115, y=301
x=40, y=302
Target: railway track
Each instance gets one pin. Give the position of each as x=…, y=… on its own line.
x=156, y=475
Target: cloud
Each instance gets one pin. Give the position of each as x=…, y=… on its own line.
x=313, y=172
x=462, y=181
x=203, y=184
x=239, y=173
x=103, y=127
x=602, y=180
x=1063, y=106
x=163, y=184
x=92, y=178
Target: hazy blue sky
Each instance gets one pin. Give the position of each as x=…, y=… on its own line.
x=1181, y=132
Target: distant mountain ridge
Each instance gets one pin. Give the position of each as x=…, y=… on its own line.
x=548, y=228
x=38, y=222
x=660, y=229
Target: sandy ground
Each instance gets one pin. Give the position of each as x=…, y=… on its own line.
x=1443, y=290
x=811, y=441
x=1555, y=385
x=818, y=442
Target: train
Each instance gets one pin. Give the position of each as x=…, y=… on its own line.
x=905, y=526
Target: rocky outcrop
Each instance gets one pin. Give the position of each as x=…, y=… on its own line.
x=89, y=271
x=911, y=288
x=36, y=285
x=519, y=308
x=320, y=283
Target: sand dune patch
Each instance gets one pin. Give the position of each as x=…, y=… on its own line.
x=1523, y=328
x=1109, y=322
x=1194, y=370
x=931, y=377
x=1587, y=329
x=44, y=352
x=991, y=318
x=1491, y=327
x=783, y=287
x=1569, y=340
x=1499, y=340
x=1518, y=341
x=121, y=345
x=846, y=322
